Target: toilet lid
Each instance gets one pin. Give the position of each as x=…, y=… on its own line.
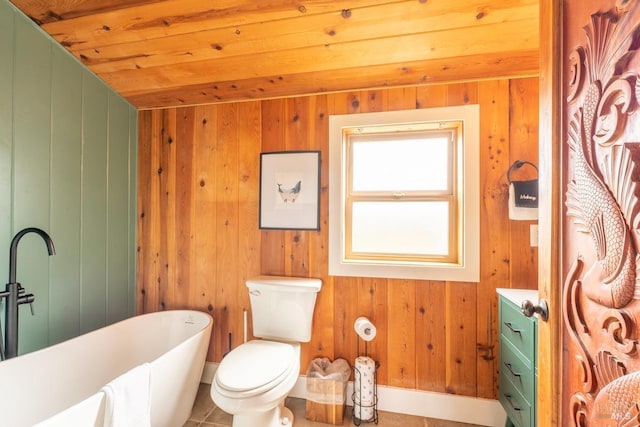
x=254, y=364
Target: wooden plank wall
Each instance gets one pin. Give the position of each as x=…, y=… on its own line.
x=199, y=238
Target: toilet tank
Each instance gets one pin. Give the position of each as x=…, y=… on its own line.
x=282, y=307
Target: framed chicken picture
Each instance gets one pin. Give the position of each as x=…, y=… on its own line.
x=290, y=190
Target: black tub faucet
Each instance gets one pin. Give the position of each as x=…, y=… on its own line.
x=14, y=294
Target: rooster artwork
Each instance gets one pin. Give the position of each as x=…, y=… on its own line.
x=290, y=190
x=290, y=194
x=601, y=307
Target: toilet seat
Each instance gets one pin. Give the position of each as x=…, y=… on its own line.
x=254, y=368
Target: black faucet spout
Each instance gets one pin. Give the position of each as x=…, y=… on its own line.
x=13, y=252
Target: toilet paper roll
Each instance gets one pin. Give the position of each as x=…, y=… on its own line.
x=364, y=328
x=364, y=387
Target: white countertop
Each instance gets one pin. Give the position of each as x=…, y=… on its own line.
x=518, y=295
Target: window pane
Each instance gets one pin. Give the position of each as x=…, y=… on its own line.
x=416, y=228
x=401, y=165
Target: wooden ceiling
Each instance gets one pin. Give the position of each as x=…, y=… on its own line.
x=160, y=53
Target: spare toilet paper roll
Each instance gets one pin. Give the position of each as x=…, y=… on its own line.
x=364, y=387
x=364, y=328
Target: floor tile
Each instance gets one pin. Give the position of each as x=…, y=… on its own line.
x=203, y=405
x=218, y=416
x=432, y=422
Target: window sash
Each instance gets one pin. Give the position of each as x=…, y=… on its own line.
x=423, y=138
x=451, y=195
x=450, y=257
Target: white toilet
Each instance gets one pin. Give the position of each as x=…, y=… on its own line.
x=253, y=380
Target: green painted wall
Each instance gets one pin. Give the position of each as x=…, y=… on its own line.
x=67, y=165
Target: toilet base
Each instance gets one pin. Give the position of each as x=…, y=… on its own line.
x=280, y=416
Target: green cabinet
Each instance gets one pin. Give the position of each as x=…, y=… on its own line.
x=518, y=371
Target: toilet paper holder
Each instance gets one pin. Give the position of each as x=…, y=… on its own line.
x=360, y=407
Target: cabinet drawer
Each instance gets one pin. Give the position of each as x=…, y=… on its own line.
x=517, y=328
x=518, y=371
x=518, y=409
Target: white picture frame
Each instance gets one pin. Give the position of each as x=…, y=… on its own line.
x=290, y=190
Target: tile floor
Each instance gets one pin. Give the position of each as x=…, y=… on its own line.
x=206, y=414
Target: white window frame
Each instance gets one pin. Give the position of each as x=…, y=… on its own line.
x=468, y=269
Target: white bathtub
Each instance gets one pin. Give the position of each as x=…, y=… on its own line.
x=60, y=385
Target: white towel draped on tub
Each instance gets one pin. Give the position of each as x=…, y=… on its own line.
x=128, y=400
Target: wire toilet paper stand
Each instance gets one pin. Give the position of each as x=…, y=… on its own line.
x=360, y=408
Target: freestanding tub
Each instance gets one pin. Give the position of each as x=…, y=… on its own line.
x=60, y=385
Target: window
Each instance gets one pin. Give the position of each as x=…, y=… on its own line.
x=404, y=197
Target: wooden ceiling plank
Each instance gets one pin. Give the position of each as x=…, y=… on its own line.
x=315, y=30
x=172, y=17
x=460, y=69
x=516, y=36
x=46, y=11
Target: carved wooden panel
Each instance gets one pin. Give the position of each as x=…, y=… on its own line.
x=601, y=292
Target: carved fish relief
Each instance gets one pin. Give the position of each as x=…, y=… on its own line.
x=618, y=401
x=603, y=200
x=611, y=281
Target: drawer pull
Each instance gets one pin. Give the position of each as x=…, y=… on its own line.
x=514, y=330
x=510, y=368
x=508, y=397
